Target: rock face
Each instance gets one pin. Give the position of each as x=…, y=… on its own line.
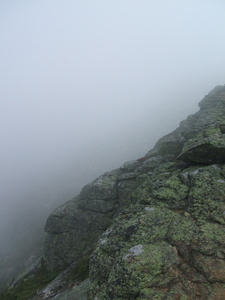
x=155, y=228
x=171, y=243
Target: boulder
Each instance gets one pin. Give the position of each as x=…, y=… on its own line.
x=206, y=148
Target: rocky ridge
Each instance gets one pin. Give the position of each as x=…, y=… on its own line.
x=167, y=217
x=155, y=227
x=163, y=217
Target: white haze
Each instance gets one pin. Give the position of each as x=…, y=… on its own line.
x=87, y=85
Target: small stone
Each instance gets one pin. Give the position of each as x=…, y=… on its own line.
x=102, y=242
x=138, y=249
x=221, y=181
x=149, y=208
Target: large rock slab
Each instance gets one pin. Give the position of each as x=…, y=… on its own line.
x=74, y=227
x=206, y=148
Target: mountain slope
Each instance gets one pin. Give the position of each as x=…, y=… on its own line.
x=154, y=228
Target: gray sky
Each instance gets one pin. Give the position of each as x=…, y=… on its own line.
x=86, y=85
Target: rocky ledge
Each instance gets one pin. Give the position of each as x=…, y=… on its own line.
x=155, y=227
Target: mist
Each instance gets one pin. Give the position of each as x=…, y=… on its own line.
x=87, y=85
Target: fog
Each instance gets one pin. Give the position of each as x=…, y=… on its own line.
x=87, y=85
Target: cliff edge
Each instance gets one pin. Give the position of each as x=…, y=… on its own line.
x=155, y=227
x=164, y=215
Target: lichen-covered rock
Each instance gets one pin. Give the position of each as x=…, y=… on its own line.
x=77, y=224
x=170, y=244
x=124, y=248
x=74, y=227
x=162, y=250
x=172, y=240
x=207, y=147
x=211, y=115
x=72, y=234
x=155, y=226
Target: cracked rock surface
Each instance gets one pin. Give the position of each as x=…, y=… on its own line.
x=154, y=228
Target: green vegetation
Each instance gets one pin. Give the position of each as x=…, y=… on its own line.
x=30, y=284
x=80, y=271
x=38, y=279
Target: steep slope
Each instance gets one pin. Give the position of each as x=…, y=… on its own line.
x=79, y=222
x=154, y=228
x=170, y=243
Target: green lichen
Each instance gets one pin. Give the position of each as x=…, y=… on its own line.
x=172, y=190
x=206, y=193
x=151, y=294
x=175, y=211
x=132, y=274
x=205, y=148
x=138, y=224
x=218, y=215
x=211, y=236
x=182, y=230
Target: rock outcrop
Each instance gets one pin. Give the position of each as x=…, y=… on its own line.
x=170, y=243
x=155, y=227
